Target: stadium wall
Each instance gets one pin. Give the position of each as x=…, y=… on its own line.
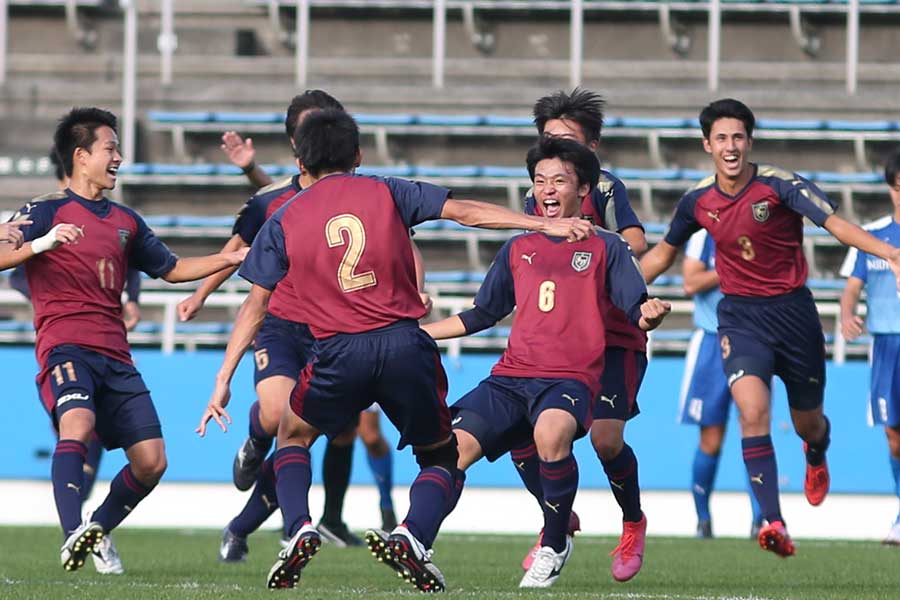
x=181, y=383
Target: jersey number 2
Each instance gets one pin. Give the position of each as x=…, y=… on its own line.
x=348, y=278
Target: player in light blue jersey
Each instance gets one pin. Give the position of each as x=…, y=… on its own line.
x=883, y=322
x=705, y=397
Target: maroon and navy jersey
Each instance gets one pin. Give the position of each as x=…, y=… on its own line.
x=250, y=220
x=76, y=289
x=343, y=243
x=562, y=293
x=758, y=232
x=608, y=206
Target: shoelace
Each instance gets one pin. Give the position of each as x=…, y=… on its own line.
x=543, y=564
x=625, y=545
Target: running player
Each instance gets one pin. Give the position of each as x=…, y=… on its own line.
x=79, y=247
x=705, y=398
x=543, y=386
x=343, y=245
x=768, y=323
x=579, y=117
x=883, y=321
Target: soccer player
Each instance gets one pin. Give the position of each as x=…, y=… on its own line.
x=768, y=323
x=79, y=245
x=281, y=351
x=343, y=245
x=11, y=233
x=105, y=557
x=579, y=117
x=883, y=322
x=705, y=398
x=543, y=386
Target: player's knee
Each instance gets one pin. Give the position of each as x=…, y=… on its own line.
x=553, y=438
x=346, y=438
x=270, y=414
x=150, y=469
x=893, y=439
x=445, y=456
x=607, y=438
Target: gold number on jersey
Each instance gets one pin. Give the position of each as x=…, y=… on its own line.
x=106, y=268
x=335, y=229
x=68, y=368
x=747, y=251
x=547, y=296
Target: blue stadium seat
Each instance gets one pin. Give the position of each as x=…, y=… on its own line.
x=228, y=169
x=694, y=174
x=179, y=116
x=659, y=228
x=148, y=327
x=279, y=170
x=672, y=335
x=429, y=226
x=170, y=169
x=247, y=117
x=395, y=119
x=448, y=225
x=450, y=120
x=455, y=171
x=134, y=169
x=832, y=177
x=826, y=284
x=788, y=124
x=159, y=221
x=840, y=125
x=386, y=170
x=199, y=221
x=512, y=172
x=646, y=174
x=505, y=121
x=16, y=326
x=446, y=276
x=657, y=122
x=476, y=276
x=214, y=328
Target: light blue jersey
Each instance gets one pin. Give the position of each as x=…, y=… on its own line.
x=882, y=300
x=701, y=247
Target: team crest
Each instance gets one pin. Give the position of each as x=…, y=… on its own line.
x=761, y=211
x=124, y=234
x=581, y=261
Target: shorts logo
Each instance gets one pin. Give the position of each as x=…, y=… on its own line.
x=761, y=211
x=124, y=234
x=570, y=399
x=456, y=421
x=581, y=261
x=725, y=344
x=608, y=400
x=73, y=396
x=735, y=376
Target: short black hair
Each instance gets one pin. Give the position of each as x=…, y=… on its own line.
x=892, y=167
x=78, y=129
x=582, y=106
x=327, y=141
x=305, y=101
x=56, y=161
x=726, y=108
x=585, y=162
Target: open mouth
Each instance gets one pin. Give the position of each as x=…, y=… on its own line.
x=551, y=208
x=113, y=171
x=732, y=160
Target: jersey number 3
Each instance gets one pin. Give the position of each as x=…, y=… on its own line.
x=348, y=224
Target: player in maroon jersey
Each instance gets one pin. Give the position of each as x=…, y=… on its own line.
x=544, y=386
x=768, y=323
x=343, y=243
x=79, y=246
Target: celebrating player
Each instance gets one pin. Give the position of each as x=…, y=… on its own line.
x=768, y=323
x=78, y=247
x=579, y=117
x=542, y=388
x=705, y=398
x=343, y=245
x=883, y=302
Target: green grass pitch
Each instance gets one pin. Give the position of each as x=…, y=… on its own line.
x=163, y=564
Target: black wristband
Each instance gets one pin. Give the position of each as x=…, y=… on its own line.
x=249, y=168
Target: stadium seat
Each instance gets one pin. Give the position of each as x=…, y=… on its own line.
x=450, y=120
x=386, y=170
x=784, y=124
x=840, y=125
x=179, y=116
x=454, y=171
x=506, y=121
x=657, y=122
x=390, y=119
x=512, y=172
x=248, y=117
x=169, y=169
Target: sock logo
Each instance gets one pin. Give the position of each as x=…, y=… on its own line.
x=617, y=485
x=757, y=478
x=520, y=465
x=127, y=508
x=551, y=506
x=269, y=504
x=72, y=486
x=699, y=489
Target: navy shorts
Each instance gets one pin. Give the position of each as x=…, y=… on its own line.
x=501, y=411
x=398, y=366
x=281, y=347
x=884, y=394
x=623, y=372
x=114, y=391
x=780, y=335
x=705, y=397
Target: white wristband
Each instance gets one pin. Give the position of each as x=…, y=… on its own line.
x=46, y=241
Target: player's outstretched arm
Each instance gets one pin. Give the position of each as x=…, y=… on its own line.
x=249, y=320
x=190, y=306
x=491, y=216
x=242, y=154
x=697, y=278
x=636, y=239
x=851, y=323
x=653, y=311
x=854, y=235
x=657, y=260
x=63, y=233
x=191, y=269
